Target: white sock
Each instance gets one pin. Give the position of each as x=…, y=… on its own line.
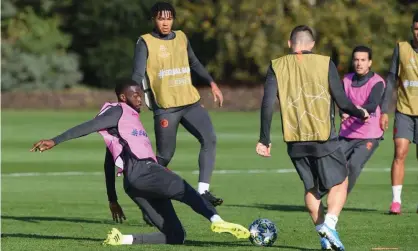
x=331, y=220
x=202, y=187
x=396, y=193
x=215, y=218
x=317, y=227
x=127, y=239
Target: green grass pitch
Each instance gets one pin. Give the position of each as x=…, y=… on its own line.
x=46, y=211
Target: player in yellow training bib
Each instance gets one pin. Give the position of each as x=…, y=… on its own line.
x=163, y=63
x=307, y=85
x=403, y=75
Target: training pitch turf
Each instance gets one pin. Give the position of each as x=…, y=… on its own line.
x=57, y=200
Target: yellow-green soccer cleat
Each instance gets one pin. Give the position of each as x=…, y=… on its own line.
x=225, y=227
x=114, y=238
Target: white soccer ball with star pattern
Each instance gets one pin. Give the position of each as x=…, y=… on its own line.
x=263, y=232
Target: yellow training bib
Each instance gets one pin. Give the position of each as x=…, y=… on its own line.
x=305, y=100
x=408, y=80
x=168, y=71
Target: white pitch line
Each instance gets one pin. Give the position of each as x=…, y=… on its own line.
x=251, y=171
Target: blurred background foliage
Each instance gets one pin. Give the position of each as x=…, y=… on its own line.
x=50, y=44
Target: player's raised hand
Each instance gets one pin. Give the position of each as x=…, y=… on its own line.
x=117, y=212
x=384, y=121
x=263, y=150
x=43, y=145
x=217, y=94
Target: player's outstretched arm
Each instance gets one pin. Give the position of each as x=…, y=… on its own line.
x=42, y=145
x=139, y=61
x=338, y=94
x=266, y=114
x=375, y=98
x=391, y=79
x=106, y=120
x=390, y=84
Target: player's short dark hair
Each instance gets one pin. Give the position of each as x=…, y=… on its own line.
x=122, y=85
x=362, y=48
x=415, y=18
x=162, y=6
x=301, y=28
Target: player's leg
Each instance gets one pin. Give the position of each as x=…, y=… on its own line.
x=196, y=120
x=163, y=216
x=313, y=202
x=332, y=172
x=416, y=148
x=309, y=179
x=316, y=210
x=165, y=128
x=153, y=181
x=415, y=140
x=403, y=134
x=362, y=152
x=347, y=146
x=145, y=217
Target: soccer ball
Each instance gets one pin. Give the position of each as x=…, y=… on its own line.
x=263, y=232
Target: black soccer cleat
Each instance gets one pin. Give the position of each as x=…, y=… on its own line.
x=212, y=199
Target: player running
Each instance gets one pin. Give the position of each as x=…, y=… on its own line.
x=364, y=88
x=162, y=63
x=403, y=70
x=147, y=183
x=307, y=84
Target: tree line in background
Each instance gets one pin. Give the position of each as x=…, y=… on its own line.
x=51, y=44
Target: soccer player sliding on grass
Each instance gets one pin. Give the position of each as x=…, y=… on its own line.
x=145, y=181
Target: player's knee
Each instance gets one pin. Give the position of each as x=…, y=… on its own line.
x=401, y=149
x=209, y=141
x=401, y=154
x=164, y=159
x=312, y=193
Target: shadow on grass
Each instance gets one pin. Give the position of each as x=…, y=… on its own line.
x=294, y=208
x=38, y=219
x=187, y=242
x=238, y=244
x=48, y=237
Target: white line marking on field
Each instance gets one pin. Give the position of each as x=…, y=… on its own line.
x=251, y=171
